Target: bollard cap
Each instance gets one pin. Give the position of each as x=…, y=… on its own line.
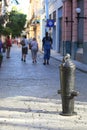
x=67, y=62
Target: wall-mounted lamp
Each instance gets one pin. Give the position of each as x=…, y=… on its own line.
x=68, y=21
x=78, y=11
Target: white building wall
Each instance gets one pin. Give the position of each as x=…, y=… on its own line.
x=53, y=6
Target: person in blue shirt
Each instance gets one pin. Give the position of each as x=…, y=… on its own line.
x=47, y=45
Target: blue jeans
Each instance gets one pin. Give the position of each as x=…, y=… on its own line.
x=46, y=54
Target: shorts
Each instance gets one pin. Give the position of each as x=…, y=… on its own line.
x=24, y=50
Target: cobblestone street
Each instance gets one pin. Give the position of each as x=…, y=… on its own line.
x=29, y=99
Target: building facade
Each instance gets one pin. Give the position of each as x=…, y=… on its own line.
x=55, y=13
x=33, y=25
x=74, y=26
x=69, y=32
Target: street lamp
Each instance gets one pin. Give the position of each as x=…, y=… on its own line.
x=78, y=11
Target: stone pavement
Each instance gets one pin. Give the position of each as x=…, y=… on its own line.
x=24, y=108
x=31, y=113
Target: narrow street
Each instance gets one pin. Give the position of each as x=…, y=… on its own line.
x=28, y=79
x=29, y=99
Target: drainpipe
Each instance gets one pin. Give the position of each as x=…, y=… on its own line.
x=71, y=22
x=71, y=19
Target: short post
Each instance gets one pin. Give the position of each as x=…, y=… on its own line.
x=67, y=82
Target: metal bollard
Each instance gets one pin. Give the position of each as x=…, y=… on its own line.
x=67, y=82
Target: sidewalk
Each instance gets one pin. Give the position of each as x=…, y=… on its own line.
x=80, y=66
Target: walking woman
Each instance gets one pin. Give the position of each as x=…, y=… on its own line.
x=34, y=50
x=8, y=46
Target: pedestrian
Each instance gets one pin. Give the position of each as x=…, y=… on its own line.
x=18, y=41
x=8, y=46
x=1, y=45
x=46, y=47
x=3, y=39
x=34, y=50
x=24, y=42
x=1, y=56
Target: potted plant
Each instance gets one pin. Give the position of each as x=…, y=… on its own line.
x=1, y=58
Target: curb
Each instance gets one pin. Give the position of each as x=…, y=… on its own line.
x=79, y=66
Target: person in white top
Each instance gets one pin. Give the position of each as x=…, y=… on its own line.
x=34, y=50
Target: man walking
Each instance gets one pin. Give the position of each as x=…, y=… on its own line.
x=24, y=44
x=47, y=44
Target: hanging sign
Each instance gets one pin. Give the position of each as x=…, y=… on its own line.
x=50, y=23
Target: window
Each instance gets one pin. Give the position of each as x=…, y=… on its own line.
x=54, y=16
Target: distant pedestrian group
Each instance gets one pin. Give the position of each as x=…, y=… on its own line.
x=32, y=44
x=27, y=44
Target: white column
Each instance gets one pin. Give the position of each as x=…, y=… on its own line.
x=47, y=13
x=3, y=8
x=46, y=9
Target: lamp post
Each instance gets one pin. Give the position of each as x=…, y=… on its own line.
x=80, y=26
x=78, y=11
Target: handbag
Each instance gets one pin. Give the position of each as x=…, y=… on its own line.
x=30, y=46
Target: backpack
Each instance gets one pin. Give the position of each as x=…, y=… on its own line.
x=23, y=43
